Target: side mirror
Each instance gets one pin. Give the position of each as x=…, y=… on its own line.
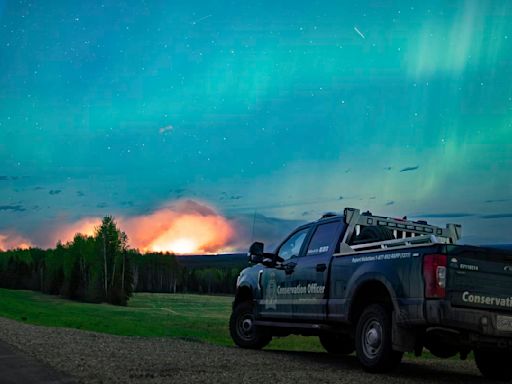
x=255, y=253
x=256, y=248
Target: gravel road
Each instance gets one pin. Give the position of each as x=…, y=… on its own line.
x=98, y=358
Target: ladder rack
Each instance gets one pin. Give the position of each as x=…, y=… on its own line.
x=406, y=232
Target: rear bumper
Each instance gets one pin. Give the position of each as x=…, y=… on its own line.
x=478, y=327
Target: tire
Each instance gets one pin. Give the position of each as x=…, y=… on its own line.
x=337, y=344
x=373, y=340
x=243, y=331
x=494, y=364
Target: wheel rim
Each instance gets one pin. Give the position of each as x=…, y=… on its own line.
x=245, y=326
x=371, y=338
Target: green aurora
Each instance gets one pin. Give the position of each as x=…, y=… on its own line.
x=283, y=109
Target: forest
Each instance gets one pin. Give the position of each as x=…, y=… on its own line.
x=103, y=268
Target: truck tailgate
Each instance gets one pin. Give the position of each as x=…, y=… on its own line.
x=479, y=278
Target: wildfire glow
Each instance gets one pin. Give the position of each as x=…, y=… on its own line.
x=12, y=240
x=178, y=246
x=86, y=226
x=182, y=227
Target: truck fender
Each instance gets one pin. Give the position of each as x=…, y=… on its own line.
x=247, y=287
x=363, y=281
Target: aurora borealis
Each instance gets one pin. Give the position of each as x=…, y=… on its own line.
x=271, y=112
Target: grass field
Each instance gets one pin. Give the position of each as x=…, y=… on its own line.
x=191, y=317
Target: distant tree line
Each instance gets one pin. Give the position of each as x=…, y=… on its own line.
x=102, y=268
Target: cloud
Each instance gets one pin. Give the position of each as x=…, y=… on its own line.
x=225, y=196
x=10, y=240
x=444, y=215
x=497, y=216
x=13, y=208
x=4, y=178
x=409, y=169
x=167, y=128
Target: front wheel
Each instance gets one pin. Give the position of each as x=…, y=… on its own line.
x=373, y=340
x=493, y=364
x=243, y=331
x=337, y=344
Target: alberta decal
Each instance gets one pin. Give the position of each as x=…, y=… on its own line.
x=271, y=292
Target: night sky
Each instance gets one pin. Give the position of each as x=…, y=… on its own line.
x=270, y=112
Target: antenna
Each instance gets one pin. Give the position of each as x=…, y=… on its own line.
x=253, y=222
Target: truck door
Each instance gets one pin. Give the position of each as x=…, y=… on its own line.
x=275, y=283
x=310, y=275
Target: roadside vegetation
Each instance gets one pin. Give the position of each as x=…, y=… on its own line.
x=191, y=317
x=103, y=269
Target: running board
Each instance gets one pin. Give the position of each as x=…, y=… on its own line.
x=282, y=324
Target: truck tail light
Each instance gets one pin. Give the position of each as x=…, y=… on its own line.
x=434, y=274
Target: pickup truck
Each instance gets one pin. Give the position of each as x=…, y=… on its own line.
x=380, y=286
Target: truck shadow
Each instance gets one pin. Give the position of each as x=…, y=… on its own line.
x=418, y=370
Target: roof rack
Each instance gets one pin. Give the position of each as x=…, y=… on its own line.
x=406, y=232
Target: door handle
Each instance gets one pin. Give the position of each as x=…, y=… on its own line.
x=289, y=268
x=321, y=267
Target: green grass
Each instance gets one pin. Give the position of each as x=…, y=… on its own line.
x=191, y=317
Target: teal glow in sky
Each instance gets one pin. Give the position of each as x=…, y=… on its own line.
x=287, y=109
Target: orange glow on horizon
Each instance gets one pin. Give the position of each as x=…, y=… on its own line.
x=86, y=226
x=183, y=227
x=191, y=234
x=177, y=246
x=179, y=229
x=13, y=241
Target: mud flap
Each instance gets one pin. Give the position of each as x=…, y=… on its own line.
x=403, y=338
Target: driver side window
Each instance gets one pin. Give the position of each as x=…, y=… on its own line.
x=291, y=248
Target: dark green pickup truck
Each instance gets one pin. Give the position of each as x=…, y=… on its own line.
x=381, y=287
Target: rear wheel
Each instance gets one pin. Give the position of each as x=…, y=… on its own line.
x=494, y=364
x=337, y=344
x=373, y=340
x=243, y=331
